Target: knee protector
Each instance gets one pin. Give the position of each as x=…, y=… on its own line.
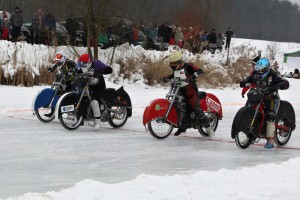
x=270, y=130
x=95, y=108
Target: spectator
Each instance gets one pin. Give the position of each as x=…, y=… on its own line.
x=229, y=33
x=296, y=74
x=0, y=27
x=5, y=28
x=103, y=40
x=220, y=41
x=257, y=58
x=178, y=37
x=72, y=27
x=50, y=26
x=204, y=42
x=16, y=21
x=135, y=35
x=162, y=31
x=212, y=40
x=151, y=33
x=38, y=26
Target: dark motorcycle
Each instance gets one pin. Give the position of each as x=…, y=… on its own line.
x=249, y=124
x=162, y=115
x=74, y=107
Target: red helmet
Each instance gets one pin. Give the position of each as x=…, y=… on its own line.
x=84, y=62
x=85, y=58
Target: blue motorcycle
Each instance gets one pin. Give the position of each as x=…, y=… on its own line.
x=44, y=102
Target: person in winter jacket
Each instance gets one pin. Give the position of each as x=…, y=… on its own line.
x=5, y=28
x=228, y=34
x=220, y=41
x=257, y=58
x=72, y=26
x=265, y=78
x=38, y=26
x=95, y=70
x=16, y=21
x=212, y=40
x=188, y=90
x=50, y=27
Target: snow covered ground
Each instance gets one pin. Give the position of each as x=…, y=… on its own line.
x=41, y=161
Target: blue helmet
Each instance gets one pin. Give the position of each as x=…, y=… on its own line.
x=262, y=67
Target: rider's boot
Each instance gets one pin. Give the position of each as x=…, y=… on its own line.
x=97, y=114
x=270, y=133
x=49, y=114
x=181, y=129
x=182, y=122
x=96, y=124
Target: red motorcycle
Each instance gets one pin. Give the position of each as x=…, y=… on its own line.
x=162, y=115
x=249, y=123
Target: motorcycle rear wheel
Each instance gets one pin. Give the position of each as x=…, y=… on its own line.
x=160, y=129
x=40, y=114
x=118, y=119
x=281, y=136
x=213, y=124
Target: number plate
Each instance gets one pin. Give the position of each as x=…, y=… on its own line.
x=67, y=108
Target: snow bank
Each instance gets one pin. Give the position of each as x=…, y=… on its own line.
x=246, y=183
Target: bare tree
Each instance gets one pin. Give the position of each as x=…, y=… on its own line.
x=94, y=15
x=202, y=13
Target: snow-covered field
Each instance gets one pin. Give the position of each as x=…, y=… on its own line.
x=41, y=161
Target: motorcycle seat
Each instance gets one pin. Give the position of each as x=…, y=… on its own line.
x=110, y=90
x=202, y=94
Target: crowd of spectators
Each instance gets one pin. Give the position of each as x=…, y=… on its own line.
x=150, y=36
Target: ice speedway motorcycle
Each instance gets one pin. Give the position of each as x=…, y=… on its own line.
x=249, y=123
x=162, y=115
x=44, y=101
x=74, y=107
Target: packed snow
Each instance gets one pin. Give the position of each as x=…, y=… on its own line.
x=45, y=161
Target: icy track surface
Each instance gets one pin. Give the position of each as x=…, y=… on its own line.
x=128, y=163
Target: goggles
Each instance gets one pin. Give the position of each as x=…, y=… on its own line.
x=262, y=71
x=175, y=64
x=57, y=58
x=81, y=64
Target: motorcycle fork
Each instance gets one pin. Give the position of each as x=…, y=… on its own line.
x=59, y=84
x=85, y=92
x=173, y=96
x=250, y=128
x=258, y=107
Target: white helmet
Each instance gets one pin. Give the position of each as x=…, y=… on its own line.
x=60, y=58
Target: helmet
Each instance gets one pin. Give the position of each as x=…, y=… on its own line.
x=85, y=58
x=175, y=56
x=175, y=59
x=262, y=67
x=59, y=58
x=84, y=62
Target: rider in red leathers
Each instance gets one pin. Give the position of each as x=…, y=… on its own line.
x=188, y=90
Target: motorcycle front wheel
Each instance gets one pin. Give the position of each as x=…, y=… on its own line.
x=213, y=123
x=70, y=119
x=45, y=114
x=118, y=117
x=159, y=129
x=243, y=140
